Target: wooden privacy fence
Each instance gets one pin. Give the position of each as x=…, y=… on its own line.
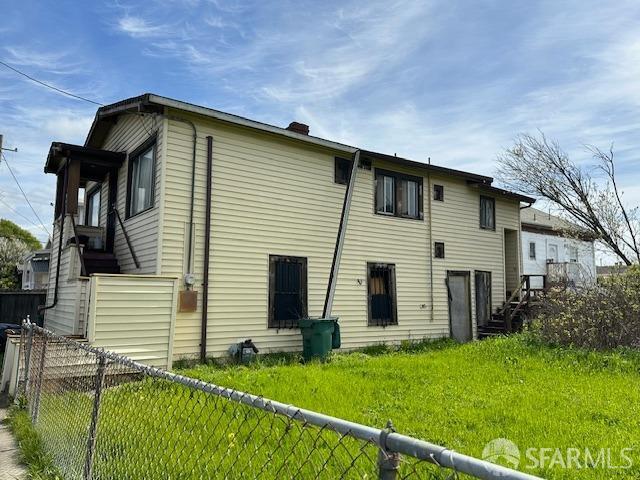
x=16, y=305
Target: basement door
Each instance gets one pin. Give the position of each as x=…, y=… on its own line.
x=459, y=306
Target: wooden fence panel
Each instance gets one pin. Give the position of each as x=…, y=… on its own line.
x=16, y=305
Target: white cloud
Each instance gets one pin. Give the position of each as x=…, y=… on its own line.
x=138, y=27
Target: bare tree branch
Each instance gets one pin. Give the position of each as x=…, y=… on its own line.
x=539, y=167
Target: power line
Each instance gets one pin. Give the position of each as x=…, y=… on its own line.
x=21, y=215
x=59, y=90
x=24, y=194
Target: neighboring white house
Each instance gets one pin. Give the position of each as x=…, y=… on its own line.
x=35, y=270
x=549, y=249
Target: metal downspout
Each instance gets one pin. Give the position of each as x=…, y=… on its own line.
x=207, y=244
x=430, y=220
x=342, y=230
x=60, y=239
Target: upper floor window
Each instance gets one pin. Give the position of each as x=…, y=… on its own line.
x=438, y=193
x=342, y=170
x=532, y=250
x=93, y=207
x=399, y=195
x=140, y=182
x=487, y=213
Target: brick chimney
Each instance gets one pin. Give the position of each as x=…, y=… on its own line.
x=299, y=128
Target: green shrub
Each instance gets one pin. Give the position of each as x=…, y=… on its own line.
x=604, y=316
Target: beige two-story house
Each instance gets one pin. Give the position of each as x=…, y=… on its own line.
x=202, y=229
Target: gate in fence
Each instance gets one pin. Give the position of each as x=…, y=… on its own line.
x=104, y=416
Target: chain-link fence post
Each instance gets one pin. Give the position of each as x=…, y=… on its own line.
x=93, y=428
x=388, y=461
x=27, y=358
x=38, y=388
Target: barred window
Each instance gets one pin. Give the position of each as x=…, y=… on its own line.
x=381, y=285
x=287, y=291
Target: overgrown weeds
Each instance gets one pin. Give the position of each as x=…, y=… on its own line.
x=602, y=317
x=39, y=463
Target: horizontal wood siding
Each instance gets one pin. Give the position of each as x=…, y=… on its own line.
x=63, y=318
x=456, y=222
x=276, y=196
x=125, y=136
x=134, y=315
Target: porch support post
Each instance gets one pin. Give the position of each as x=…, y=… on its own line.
x=342, y=230
x=73, y=186
x=112, y=203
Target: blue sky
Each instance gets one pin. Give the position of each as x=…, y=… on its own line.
x=454, y=81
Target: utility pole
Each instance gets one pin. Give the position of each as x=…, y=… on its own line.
x=7, y=149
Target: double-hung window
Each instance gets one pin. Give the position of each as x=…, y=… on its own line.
x=381, y=285
x=93, y=207
x=287, y=291
x=140, y=183
x=398, y=195
x=487, y=213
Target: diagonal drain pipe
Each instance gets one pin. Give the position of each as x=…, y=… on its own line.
x=342, y=231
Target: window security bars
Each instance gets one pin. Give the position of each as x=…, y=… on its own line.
x=101, y=415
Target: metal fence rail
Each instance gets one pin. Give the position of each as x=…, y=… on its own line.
x=104, y=416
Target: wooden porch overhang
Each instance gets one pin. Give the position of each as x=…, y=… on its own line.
x=75, y=165
x=94, y=163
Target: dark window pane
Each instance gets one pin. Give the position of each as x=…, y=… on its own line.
x=438, y=193
x=439, y=250
x=487, y=213
x=342, y=170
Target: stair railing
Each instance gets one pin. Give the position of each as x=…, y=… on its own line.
x=126, y=236
x=83, y=270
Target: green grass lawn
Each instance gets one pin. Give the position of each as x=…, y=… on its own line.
x=462, y=396
x=458, y=396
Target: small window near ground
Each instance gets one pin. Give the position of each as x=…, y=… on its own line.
x=532, y=250
x=342, y=170
x=487, y=213
x=438, y=250
x=93, y=207
x=141, y=179
x=287, y=291
x=381, y=285
x=438, y=193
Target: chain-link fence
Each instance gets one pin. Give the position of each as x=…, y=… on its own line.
x=104, y=416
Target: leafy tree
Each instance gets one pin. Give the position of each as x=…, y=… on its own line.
x=10, y=230
x=15, y=242
x=539, y=167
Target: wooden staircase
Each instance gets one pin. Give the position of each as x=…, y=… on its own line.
x=100, y=262
x=513, y=313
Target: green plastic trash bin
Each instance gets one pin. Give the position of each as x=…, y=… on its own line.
x=317, y=337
